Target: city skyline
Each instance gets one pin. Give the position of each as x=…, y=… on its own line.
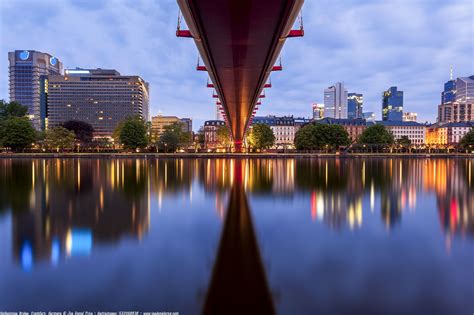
x=348, y=49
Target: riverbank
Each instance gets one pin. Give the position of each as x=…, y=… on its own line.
x=231, y=155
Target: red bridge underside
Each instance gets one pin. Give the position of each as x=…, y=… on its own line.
x=239, y=42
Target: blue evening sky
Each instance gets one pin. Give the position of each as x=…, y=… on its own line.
x=369, y=45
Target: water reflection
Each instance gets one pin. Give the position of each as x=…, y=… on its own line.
x=60, y=209
x=63, y=207
x=238, y=282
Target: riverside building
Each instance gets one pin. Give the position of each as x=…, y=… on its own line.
x=416, y=132
x=100, y=97
x=26, y=69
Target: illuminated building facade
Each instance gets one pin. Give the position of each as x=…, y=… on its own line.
x=26, y=69
x=102, y=98
x=392, y=105
x=318, y=111
x=210, y=132
x=416, y=132
x=159, y=124
x=355, y=103
x=335, y=101
x=410, y=116
x=447, y=133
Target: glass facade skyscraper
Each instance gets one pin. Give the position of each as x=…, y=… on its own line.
x=392, y=105
x=354, y=105
x=457, y=101
x=26, y=70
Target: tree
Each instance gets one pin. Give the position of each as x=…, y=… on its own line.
x=376, y=135
x=320, y=136
x=16, y=133
x=336, y=136
x=168, y=141
x=101, y=143
x=223, y=136
x=467, y=141
x=261, y=137
x=133, y=133
x=60, y=138
x=184, y=138
x=83, y=131
x=404, y=141
x=201, y=137
x=308, y=138
x=12, y=109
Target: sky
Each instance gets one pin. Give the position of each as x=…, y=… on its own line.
x=369, y=45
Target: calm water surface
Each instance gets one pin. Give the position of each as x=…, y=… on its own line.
x=289, y=236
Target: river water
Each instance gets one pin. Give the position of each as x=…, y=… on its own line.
x=257, y=236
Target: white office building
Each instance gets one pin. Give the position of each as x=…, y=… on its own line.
x=335, y=101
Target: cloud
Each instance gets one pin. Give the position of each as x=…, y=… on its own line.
x=369, y=45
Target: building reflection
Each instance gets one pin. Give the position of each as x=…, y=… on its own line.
x=74, y=205
x=238, y=282
x=63, y=207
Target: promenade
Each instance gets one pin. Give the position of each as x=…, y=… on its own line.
x=232, y=155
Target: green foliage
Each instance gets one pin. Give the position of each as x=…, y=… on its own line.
x=261, y=137
x=376, y=135
x=12, y=109
x=321, y=136
x=168, y=141
x=60, y=138
x=133, y=133
x=404, y=141
x=177, y=128
x=117, y=131
x=82, y=130
x=223, y=136
x=336, y=136
x=307, y=138
x=201, y=136
x=468, y=140
x=16, y=133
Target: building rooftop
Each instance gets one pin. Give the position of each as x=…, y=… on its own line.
x=214, y=123
x=92, y=72
x=400, y=123
x=469, y=79
x=344, y=121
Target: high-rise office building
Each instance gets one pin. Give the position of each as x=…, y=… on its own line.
x=457, y=101
x=447, y=98
x=465, y=90
x=354, y=105
x=335, y=101
x=102, y=98
x=392, y=105
x=26, y=68
x=318, y=111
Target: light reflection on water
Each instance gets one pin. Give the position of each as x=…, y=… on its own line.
x=325, y=236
